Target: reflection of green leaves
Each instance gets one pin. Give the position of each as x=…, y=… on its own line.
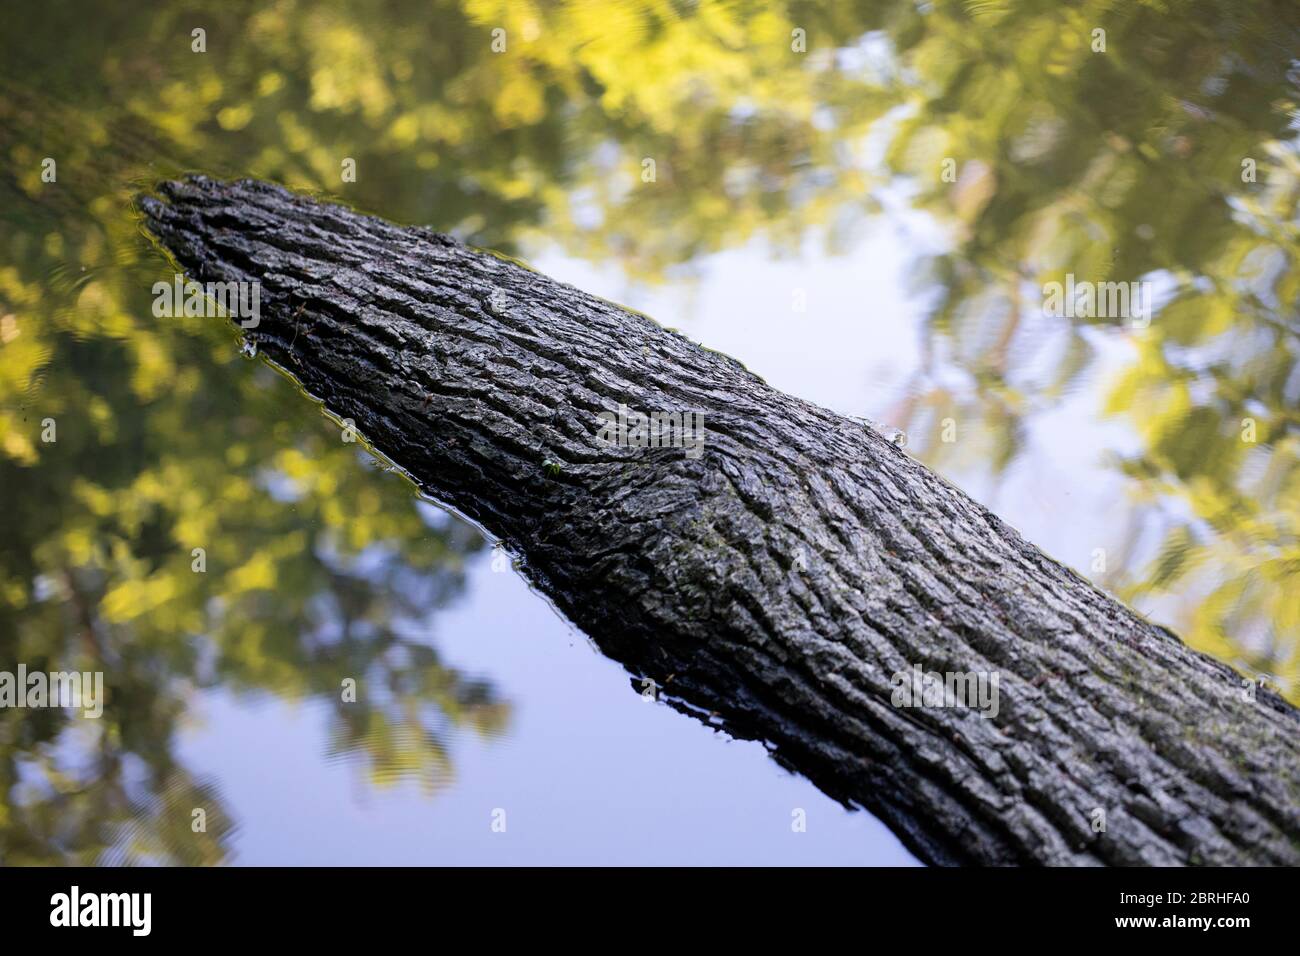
x=313, y=564
x=1178, y=554
x=317, y=566
x=1116, y=167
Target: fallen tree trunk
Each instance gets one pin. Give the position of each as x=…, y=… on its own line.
x=777, y=582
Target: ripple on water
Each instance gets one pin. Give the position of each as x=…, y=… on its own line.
x=184, y=822
x=391, y=748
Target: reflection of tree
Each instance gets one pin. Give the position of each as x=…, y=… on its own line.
x=317, y=568
x=748, y=136
x=1117, y=167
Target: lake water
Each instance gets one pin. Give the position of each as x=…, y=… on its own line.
x=866, y=205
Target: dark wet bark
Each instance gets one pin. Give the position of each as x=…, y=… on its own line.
x=776, y=583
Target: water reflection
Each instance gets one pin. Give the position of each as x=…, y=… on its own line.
x=211, y=531
x=181, y=519
x=1124, y=165
x=1169, y=159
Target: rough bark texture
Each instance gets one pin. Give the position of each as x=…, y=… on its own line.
x=775, y=584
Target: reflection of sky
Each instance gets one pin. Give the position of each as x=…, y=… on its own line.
x=587, y=772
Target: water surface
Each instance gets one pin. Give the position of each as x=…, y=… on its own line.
x=866, y=218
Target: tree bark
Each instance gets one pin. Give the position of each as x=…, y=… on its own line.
x=775, y=584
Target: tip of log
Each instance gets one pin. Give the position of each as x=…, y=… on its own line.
x=165, y=210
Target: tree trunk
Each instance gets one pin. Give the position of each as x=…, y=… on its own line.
x=775, y=584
